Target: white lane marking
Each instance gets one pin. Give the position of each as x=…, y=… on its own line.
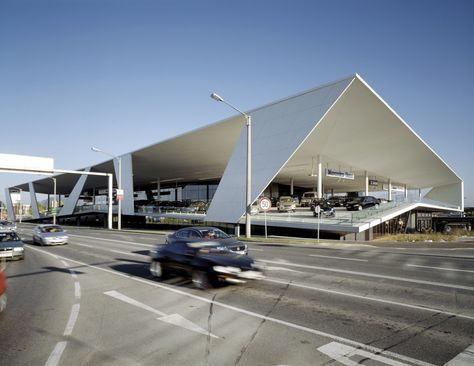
x=55, y=356
x=65, y=264
x=342, y=353
x=83, y=245
x=110, y=250
x=174, y=319
x=346, y=259
x=441, y=268
x=77, y=290
x=367, y=298
x=271, y=268
x=113, y=240
x=250, y=313
x=365, y=274
x=126, y=253
x=465, y=358
x=255, y=250
x=73, y=274
x=129, y=300
x=72, y=319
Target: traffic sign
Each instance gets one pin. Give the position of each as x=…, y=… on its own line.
x=264, y=204
x=119, y=194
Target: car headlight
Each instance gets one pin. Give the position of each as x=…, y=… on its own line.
x=18, y=249
x=228, y=269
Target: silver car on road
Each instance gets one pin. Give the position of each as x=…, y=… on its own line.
x=49, y=235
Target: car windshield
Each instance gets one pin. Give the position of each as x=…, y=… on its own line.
x=8, y=237
x=286, y=199
x=52, y=229
x=213, y=234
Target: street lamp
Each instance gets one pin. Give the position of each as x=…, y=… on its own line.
x=119, y=183
x=54, y=199
x=248, y=185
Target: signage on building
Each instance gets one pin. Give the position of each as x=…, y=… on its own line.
x=373, y=182
x=338, y=174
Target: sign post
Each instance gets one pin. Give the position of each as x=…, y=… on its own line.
x=317, y=209
x=264, y=204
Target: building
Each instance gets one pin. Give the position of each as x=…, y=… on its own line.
x=339, y=138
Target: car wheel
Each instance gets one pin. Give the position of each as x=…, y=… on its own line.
x=156, y=269
x=201, y=279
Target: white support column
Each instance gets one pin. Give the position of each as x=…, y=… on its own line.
x=419, y=194
x=406, y=193
x=158, y=189
x=366, y=183
x=71, y=201
x=128, y=207
x=291, y=187
x=34, y=202
x=10, y=210
x=389, y=189
x=320, y=178
x=111, y=187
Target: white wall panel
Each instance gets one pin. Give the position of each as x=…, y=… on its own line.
x=277, y=132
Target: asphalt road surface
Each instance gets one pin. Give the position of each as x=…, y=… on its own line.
x=94, y=302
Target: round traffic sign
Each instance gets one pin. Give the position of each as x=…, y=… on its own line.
x=264, y=204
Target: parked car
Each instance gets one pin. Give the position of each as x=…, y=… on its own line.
x=193, y=252
x=11, y=246
x=3, y=288
x=49, y=235
x=287, y=204
x=321, y=202
x=307, y=198
x=327, y=211
x=363, y=202
x=7, y=225
x=336, y=201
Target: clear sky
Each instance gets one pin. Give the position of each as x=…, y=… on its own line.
x=121, y=75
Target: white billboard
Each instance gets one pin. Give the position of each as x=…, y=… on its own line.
x=25, y=162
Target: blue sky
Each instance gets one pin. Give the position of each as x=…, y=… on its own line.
x=121, y=75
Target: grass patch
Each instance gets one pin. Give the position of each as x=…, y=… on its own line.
x=419, y=237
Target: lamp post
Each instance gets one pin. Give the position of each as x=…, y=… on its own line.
x=248, y=185
x=119, y=183
x=54, y=199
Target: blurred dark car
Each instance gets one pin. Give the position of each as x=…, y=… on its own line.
x=49, y=235
x=3, y=288
x=11, y=246
x=197, y=234
x=363, y=202
x=7, y=225
x=207, y=261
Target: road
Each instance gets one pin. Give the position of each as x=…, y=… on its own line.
x=93, y=302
